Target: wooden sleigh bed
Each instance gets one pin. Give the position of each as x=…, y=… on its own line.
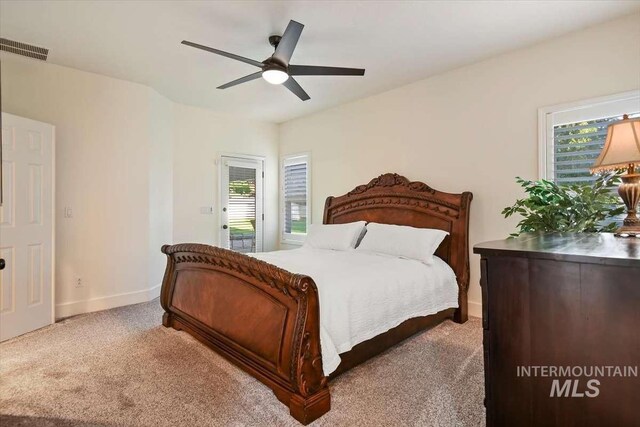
x=266, y=319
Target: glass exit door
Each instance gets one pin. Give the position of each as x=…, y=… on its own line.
x=242, y=204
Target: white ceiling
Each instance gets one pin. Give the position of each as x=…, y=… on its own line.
x=397, y=42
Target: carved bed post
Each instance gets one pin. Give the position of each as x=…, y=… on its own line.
x=165, y=298
x=313, y=399
x=461, y=314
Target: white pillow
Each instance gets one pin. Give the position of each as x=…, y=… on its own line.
x=402, y=241
x=339, y=237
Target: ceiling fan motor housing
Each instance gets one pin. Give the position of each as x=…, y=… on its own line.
x=274, y=40
x=273, y=64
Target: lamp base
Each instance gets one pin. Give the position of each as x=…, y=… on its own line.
x=627, y=232
x=629, y=191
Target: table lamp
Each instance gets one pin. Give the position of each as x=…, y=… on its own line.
x=622, y=151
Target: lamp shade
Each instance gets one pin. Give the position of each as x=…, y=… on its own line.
x=622, y=146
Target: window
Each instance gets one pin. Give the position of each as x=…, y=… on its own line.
x=295, y=198
x=572, y=135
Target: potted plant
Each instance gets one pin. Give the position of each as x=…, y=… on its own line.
x=583, y=208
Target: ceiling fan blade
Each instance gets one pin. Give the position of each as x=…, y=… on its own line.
x=294, y=87
x=313, y=70
x=288, y=42
x=223, y=53
x=242, y=80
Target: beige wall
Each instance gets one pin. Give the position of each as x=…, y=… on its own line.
x=104, y=150
x=201, y=137
x=135, y=168
x=473, y=128
x=161, y=124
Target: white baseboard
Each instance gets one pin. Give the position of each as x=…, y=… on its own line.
x=103, y=303
x=475, y=309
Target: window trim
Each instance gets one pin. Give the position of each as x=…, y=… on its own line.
x=289, y=239
x=568, y=112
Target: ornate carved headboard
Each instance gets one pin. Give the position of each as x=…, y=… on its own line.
x=393, y=199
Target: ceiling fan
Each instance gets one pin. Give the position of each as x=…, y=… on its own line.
x=276, y=69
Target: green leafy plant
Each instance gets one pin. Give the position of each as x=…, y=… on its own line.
x=550, y=207
x=242, y=188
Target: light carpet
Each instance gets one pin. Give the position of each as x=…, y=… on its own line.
x=120, y=367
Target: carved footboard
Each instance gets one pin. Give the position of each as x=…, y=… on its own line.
x=261, y=317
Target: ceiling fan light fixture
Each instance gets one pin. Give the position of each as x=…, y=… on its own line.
x=275, y=76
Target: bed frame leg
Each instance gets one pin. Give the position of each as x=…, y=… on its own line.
x=167, y=320
x=461, y=315
x=170, y=321
x=309, y=409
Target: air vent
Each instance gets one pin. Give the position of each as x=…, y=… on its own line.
x=24, y=49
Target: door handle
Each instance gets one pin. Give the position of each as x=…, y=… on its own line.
x=2, y=264
x=224, y=227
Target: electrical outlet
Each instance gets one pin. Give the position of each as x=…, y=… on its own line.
x=78, y=282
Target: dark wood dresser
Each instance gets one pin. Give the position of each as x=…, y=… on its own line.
x=560, y=313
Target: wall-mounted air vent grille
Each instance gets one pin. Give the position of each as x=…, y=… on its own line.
x=24, y=49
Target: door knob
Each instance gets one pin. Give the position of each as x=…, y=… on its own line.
x=224, y=226
x=1, y=264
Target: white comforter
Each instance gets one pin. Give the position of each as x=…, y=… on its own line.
x=363, y=294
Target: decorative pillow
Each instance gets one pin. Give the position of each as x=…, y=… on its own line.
x=339, y=237
x=402, y=241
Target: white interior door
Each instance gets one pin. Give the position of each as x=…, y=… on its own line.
x=26, y=226
x=241, y=204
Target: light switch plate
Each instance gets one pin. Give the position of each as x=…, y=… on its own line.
x=206, y=210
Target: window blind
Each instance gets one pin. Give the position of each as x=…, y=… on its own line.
x=295, y=197
x=576, y=147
